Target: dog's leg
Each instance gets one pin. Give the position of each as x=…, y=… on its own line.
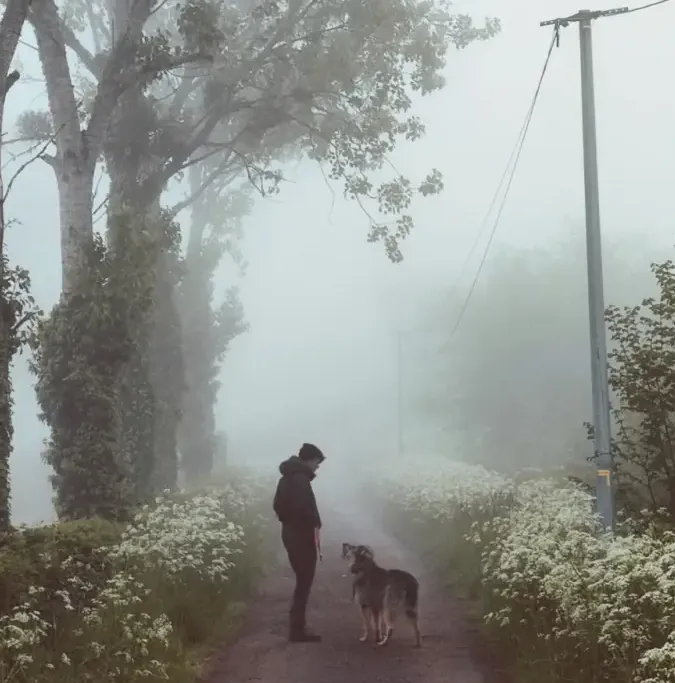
x=377, y=624
x=366, y=614
x=414, y=619
x=387, y=627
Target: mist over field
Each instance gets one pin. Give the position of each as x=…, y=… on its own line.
x=347, y=350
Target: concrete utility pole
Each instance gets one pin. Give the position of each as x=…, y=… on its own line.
x=596, y=301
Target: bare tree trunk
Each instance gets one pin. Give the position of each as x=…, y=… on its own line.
x=77, y=153
x=75, y=181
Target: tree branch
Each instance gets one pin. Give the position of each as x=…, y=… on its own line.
x=120, y=74
x=225, y=107
x=26, y=317
x=11, y=79
x=110, y=86
x=38, y=155
x=10, y=31
x=203, y=186
x=60, y=91
x=94, y=25
x=69, y=39
x=188, y=85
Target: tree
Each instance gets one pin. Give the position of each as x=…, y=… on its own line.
x=81, y=350
x=512, y=387
x=642, y=378
x=16, y=305
x=329, y=78
x=121, y=68
x=256, y=81
x=215, y=228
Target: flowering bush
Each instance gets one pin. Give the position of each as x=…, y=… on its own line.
x=570, y=602
x=131, y=606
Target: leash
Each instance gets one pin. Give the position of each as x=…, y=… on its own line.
x=317, y=541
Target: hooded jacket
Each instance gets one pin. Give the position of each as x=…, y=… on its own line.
x=294, y=501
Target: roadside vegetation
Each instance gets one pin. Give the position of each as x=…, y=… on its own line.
x=563, y=600
x=140, y=601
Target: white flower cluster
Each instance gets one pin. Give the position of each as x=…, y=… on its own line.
x=117, y=630
x=110, y=634
x=190, y=537
x=440, y=487
x=588, y=599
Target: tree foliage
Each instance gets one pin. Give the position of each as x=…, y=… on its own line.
x=77, y=357
x=642, y=378
x=512, y=387
x=241, y=83
x=151, y=385
x=18, y=313
x=82, y=349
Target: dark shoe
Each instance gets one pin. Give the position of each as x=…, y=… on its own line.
x=304, y=637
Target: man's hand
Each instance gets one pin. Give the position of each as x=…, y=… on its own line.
x=317, y=540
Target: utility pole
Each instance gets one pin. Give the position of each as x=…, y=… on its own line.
x=596, y=301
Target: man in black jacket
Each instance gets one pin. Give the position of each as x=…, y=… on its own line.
x=295, y=506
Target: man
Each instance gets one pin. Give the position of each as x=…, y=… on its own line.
x=295, y=506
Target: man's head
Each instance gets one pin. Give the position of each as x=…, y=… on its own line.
x=311, y=456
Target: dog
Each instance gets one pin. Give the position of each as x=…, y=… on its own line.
x=381, y=594
x=349, y=552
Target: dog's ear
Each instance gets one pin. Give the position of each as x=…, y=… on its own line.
x=345, y=549
x=363, y=551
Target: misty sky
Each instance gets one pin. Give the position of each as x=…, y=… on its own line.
x=319, y=360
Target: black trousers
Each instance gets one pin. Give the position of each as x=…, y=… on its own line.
x=302, y=555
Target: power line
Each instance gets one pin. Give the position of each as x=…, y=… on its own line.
x=513, y=164
x=651, y=4
x=515, y=156
x=488, y=213
x=618, y=11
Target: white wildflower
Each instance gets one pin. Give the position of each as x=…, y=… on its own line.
x=549, y=569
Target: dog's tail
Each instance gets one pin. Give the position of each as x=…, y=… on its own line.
x=411, y=600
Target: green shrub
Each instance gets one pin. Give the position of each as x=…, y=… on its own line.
x=92, y=600
x=51, y=555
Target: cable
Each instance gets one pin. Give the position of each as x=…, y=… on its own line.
x=651, y=4
x=616, y=12
x=518, y=150
x=488, y=213
x=512, y=163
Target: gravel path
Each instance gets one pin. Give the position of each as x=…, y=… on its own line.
x=452, y=650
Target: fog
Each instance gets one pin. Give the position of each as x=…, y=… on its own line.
x=326, y=309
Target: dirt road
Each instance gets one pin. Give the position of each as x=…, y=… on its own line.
x=451, y=652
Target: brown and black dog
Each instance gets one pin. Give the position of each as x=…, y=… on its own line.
x=381, y=594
